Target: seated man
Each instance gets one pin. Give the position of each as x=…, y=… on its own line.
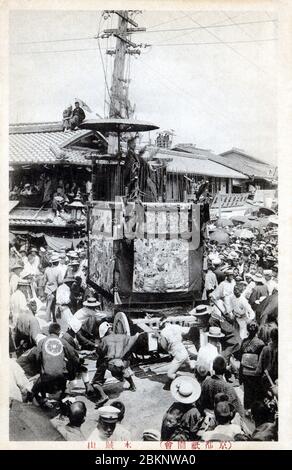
x=224, y=430
x=59, y=199
x=182, y=420
x=217, y=384
x=77, y=117
x=67, y=115
x=27, y=330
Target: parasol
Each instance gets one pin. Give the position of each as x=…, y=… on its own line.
x=117, y=125
x=220, y=236
x=243, y=233
x=239, y=219
x=224, y=223
x=273, y=219
x=266, y=211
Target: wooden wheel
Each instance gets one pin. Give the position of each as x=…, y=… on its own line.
x=121, y=324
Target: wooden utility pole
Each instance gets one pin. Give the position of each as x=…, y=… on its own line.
x=117, y=98
x=119, y=106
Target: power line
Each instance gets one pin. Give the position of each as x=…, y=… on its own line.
x=155, y=45
x=190, y=32
x=209, y=43
x=227, y=44
x=215, y=25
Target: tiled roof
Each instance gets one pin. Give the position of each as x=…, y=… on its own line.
x=184, y=162
x=39, y=143
x=234, y=159
x=35, y=217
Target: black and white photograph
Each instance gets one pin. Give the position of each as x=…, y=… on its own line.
x=143, y=227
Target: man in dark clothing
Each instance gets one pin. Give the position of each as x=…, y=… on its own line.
x=216, y=384
x=77, y=293
x=78, y=116
x=51, y=356
x=112, y=355
x=88, y=333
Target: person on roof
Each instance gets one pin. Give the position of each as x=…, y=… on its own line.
x=78, y=116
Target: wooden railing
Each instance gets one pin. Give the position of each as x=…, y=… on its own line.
x=229, y=200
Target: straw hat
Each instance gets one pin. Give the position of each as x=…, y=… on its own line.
x=91, y=302
x=258, y=278
x=17, y=266
x=200, y=310
x=151, y=435
x=185, y=389
x=215, y=332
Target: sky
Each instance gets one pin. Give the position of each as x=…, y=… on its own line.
x=214, y=86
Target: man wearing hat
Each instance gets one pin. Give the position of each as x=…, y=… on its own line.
x=210, y=281
x=270, y=283
x=260, y=290
x=89, y=309
x=225, y=289
x=209, y=351
x=182, y=420
x=52, y=278
x=15, y=277
x=242, y=311
x=18, y=301
x=108, y=417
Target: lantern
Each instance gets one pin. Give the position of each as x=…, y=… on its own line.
x=76, y=208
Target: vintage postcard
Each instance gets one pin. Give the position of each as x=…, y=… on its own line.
x=146, y=225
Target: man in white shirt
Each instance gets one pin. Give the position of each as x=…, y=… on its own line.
x=108, y=418
x=211, y=282
x=212, y=349
x=250, y=286
x=53, y=277
x=242, y=311
x=225, y=289
x=270, y=282
x=15, y=277
x=170, y=338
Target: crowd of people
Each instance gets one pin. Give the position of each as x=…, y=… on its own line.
x=53, y=193
x=225, y=385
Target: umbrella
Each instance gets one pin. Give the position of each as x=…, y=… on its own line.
x=220, y=236
x=224, y=223
x=266, y=211
x=252, y=224
x=239, y=218
x=273, y=219
x=117, y=125
x=243, y=233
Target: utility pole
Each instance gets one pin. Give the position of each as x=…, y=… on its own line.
x=119, y=106
x=117, y=98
